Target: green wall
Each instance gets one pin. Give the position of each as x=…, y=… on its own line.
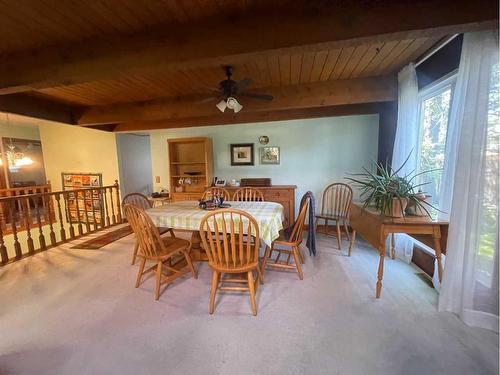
x=314, y=152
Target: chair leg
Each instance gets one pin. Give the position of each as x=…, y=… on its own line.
x=141, y=270
x=351, y=242
x=296, y=256
x=347, y=231
x=259, y=275
x=172, y=234
x=302, y=259
x=136, y=249
x=158, y=280
x=251, y=287
x=316, y=222
x=326, y=227
x=339, y=238
x=264, y=262
x=213, y=291
x=190, y=264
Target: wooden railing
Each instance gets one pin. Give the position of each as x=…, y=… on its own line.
x=23, y=207
x=34, y=222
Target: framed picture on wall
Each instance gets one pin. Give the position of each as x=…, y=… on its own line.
x=85, y=205
x=269, y=155
x=242, y=154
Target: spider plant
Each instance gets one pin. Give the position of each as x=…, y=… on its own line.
x=389, y=192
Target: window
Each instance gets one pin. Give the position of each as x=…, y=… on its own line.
x=434, y=110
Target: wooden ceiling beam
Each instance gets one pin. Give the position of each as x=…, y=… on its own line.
x=38, y=107
x=246, y=118
x=231, y=40
x=323, y=94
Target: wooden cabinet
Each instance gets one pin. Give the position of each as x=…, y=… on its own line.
x=190, y=166
x=283, y=194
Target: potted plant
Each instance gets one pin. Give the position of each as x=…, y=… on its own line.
x=390, y=193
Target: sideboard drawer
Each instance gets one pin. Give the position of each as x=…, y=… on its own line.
x=277, y=194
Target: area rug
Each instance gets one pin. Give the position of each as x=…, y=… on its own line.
x=103, y=240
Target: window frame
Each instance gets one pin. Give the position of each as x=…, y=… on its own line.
x=433, y=89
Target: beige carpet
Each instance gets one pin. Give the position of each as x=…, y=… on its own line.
x=73, y=311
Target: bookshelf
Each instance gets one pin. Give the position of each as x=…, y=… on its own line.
x=190, y=167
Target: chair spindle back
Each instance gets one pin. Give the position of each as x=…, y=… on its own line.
x=336, y=201
x=248, y=194
x=231, y=238
x=211, y=192
x=138, y=200
x=146, y=233
x=298, y=226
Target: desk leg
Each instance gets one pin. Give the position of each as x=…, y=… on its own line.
x=380, y=273
x=437, y=248
x=351, y=242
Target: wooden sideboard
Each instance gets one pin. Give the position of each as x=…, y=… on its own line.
x=283, y=194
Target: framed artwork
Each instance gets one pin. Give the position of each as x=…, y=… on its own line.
x=85, y=205
x=269, y=155
x=242, y=154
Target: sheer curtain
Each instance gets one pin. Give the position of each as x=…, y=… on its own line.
x=470, y=186
x=405, y=143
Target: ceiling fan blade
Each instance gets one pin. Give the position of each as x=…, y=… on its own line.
x=257, y=96
x=243, y=84
x=207, y=100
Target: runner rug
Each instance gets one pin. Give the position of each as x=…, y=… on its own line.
x=104, y=239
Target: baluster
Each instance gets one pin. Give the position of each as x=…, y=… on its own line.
x=118, y=205
x=96, y=226
x=112, y=205
x=62, y=231
x=106, y=209
x=41, y=237
x=80, y=228
x=31, y=247
x=48, y=215
x=4, y=258
x=17, y=245
x=68, y=216
x=87, y=223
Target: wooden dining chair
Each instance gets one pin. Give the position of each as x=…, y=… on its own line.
x=248, y=194
x=141, y=201
x=335, y=205
x=211, y=192
x=289, y=243
x=161, y=250
x=224, y=234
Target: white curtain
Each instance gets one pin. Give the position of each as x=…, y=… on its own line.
x=470, y=186
x=405, y=143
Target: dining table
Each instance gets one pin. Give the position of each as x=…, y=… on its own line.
x=187, y=216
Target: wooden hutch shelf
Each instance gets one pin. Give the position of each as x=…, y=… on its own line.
x=186, y=157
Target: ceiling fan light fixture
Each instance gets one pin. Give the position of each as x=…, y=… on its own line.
x=222, y=105
x=233, y=104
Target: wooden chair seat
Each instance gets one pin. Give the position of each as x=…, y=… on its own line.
x=160, y=250
x=170, y=246
x=329, y=217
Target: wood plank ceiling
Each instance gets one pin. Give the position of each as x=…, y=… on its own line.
x=31, y=28
x=281, y=70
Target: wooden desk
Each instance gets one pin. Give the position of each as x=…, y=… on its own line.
x=374, y=229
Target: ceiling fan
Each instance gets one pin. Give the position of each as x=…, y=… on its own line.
x=228, y=90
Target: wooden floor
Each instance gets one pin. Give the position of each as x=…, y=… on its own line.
x=71, y=311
